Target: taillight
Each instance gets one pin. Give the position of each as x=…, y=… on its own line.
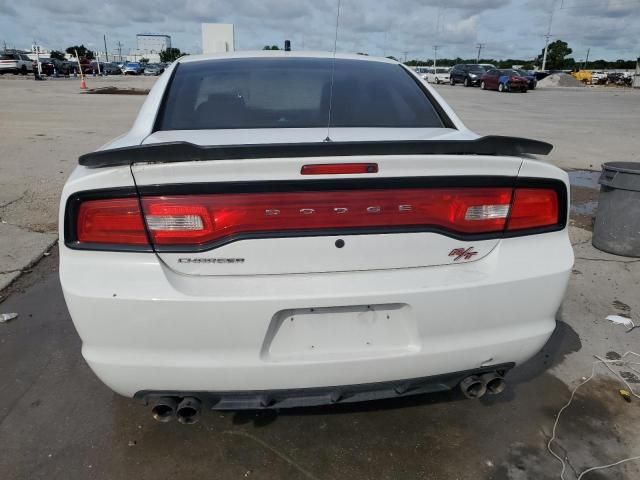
x=220, y=216
x=534, y=208
x=210, y=219
x=111, y=221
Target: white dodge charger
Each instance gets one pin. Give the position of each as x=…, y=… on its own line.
x=287, y=229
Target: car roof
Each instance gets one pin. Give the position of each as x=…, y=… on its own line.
x=282, y=54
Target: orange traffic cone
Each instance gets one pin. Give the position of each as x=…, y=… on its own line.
x=83, y=84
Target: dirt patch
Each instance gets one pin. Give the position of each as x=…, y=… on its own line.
x=118, y=91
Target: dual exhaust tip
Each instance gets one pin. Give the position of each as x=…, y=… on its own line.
x=186, y=410
x=476, y=386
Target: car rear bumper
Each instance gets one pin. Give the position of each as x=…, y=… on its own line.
x=309, y=397
x=146, y=328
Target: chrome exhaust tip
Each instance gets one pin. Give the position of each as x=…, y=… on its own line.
x=494, y=382
x=164, y=409
x=473, y=387
x=188, y=411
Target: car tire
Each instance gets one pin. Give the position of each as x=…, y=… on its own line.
x=452, y=82
x=524, y=89
x=437, y=81
x=23, y=70
x=466, y=82
x=483, y=86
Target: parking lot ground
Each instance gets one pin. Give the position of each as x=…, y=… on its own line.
x=44, y=127
x=58, y=421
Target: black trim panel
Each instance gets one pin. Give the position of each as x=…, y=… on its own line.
x=336, y=395
x=369, y=183
x=184, y=151
x=314, y=185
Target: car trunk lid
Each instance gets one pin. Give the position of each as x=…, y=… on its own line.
x=267, y=217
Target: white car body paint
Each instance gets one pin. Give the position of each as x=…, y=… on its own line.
x=385, y=307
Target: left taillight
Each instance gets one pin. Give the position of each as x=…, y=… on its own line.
x=115, y=221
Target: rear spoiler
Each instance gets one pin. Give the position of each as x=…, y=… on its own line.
x=185, y=152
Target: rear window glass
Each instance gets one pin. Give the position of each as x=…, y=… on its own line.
x=7, y=56
x=293, y=93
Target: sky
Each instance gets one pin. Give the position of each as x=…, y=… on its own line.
x=506, y=28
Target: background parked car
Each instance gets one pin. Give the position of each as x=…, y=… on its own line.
x=531, y=78
x=598, y=77
x=112, y=69
x=11, y=62
x=440, y=75
x=87, y=66
x=51, y=65
x=132, y=68
x=504, y=81
x=467, y=74
x=153, y=69
x=619, y=78
x=540, y=74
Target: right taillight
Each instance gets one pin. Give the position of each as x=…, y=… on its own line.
x=534, y=208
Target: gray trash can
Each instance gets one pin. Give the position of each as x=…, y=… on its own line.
x=617, y=226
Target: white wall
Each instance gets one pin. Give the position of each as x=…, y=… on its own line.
x=217, y=37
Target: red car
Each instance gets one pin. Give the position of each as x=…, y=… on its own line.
x=504, y=81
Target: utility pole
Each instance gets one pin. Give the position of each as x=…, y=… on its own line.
x=405, y=56
x=435, y=55
x=479, y=47
x=119, y=51
x=106, y=54
x=587, y=59
x=547, y=36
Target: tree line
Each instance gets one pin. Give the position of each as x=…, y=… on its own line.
x=166, y=56
x=558, y=58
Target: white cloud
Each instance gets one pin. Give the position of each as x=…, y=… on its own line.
x=508, y=27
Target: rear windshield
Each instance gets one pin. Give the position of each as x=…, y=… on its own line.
x=293, y=93
x=7, y=56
